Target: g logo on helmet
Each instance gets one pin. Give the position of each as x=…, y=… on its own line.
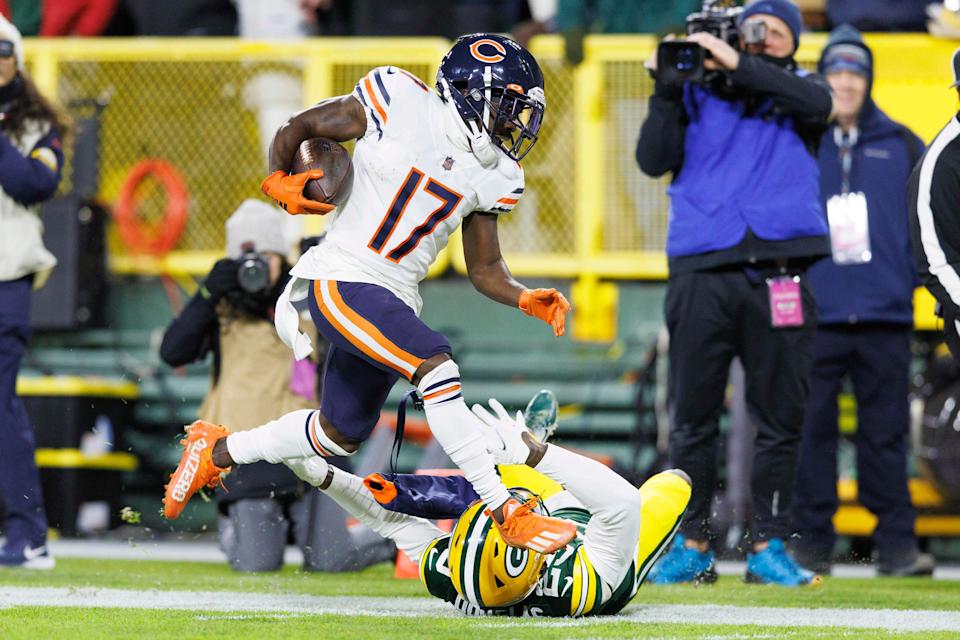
x=500, y=54
x=516, y=561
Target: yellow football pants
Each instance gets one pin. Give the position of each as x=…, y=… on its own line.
x=664, y=498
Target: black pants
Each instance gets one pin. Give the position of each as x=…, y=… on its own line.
x=713, y=316
x=877, y=359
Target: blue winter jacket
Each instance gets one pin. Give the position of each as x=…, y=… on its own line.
x=742, y=171
x=743, y=158
x=882, y=159
x=882, y=289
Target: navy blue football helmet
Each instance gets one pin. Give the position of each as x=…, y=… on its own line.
x=496, y=87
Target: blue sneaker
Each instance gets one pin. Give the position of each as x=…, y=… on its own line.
x=774, y=566
x=27, y=557
x=683, y=564
x=540, y=416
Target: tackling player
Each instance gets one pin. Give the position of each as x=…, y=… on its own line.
x=622, y=530
x=424, y=161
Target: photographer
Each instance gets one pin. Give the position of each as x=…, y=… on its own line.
x=745, y=222
x=253, y=379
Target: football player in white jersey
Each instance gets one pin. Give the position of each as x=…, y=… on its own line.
x=424, y=162
x=621, y=530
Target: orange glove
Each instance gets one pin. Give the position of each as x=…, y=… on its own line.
x=287, y=190
x=547, y=304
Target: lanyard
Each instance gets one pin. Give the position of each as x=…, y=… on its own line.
x=845, y=142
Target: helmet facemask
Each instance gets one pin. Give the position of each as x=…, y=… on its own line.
x=510, y=118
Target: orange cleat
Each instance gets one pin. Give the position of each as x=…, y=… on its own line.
x=196, y=469
x=528, y=530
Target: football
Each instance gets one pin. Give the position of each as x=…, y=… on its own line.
x=323, y=153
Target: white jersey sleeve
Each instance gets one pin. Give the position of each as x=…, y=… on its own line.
x=610, y=541
x=500, y=190
x=377, y=92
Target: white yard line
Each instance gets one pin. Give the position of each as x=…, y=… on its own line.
x=234, y=605
x=210, y=552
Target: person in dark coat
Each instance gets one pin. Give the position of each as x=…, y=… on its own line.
x=864, y=296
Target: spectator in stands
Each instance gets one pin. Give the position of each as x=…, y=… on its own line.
x=879, y=15
x=279, y=19
x=532, y=18
x=202, y=18
x=31, y=162
x=253, y=377
x=745, y=222
x=448, y=18
x=865, y=319
x=577, y=18
x=76, y=17
x=24, y=14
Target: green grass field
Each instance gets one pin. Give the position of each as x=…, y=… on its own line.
x=153, y=603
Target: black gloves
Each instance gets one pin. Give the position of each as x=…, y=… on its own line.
x=221, y=281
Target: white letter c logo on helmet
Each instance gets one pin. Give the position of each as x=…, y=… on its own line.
x=482, y=57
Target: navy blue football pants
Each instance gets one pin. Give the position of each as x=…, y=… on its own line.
x=25, y=522
x=877, y=360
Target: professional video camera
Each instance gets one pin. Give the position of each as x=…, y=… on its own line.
x=680, y=61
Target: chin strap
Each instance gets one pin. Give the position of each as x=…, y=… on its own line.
x=481, y=145
x=477, y=138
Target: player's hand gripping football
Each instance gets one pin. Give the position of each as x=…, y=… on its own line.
x=547, y=304
x=287, y=190
x=503, y=435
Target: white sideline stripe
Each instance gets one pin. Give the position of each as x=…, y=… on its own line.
x=233, y=602
x=936, y=259
x=182, y=551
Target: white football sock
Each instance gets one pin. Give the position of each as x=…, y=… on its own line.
x=411, y=534
x=459, y=432
x=297, y=434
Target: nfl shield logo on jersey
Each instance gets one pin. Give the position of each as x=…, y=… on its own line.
x=447, y=164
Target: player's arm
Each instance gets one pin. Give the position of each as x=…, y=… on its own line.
x=340, y=119
x=490, y=276
x=485, y=265
x=614, y=504
x=32, y=178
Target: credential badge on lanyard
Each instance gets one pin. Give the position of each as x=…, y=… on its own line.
x=847, y=211
x=786, y=301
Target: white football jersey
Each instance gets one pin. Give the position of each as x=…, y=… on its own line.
x=412, y=186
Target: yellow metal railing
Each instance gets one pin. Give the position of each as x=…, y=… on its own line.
x=588, y=213
x=197, y=103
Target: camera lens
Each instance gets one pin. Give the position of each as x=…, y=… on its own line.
x=753, y=32
x=253, y=274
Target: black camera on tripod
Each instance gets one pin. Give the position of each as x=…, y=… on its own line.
x=679, y=61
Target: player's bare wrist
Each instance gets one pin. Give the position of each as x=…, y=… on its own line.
x=537, y=450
